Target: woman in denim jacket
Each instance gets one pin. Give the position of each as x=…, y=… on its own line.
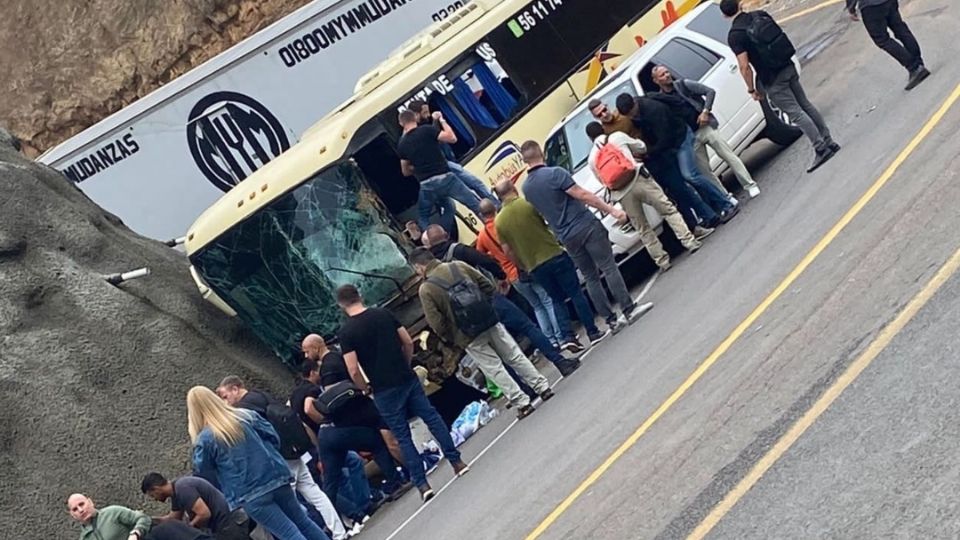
x=241, y=450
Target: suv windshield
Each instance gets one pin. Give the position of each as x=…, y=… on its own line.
x=569, y=147
x=279, y=269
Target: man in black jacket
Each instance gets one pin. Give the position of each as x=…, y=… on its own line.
x=663, y=133
x=511, y=316
x=701, y=98
x=878, y=16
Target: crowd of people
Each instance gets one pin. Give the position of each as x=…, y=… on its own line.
x=294, y=467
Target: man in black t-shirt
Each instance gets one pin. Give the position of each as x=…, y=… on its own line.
x=776, y=78
x=354, y=426
x=204, y=505
x=374, y=340
x=421, y=156
x=468, y=178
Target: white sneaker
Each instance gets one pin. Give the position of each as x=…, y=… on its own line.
x=753, y=191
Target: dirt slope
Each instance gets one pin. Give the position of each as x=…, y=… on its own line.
x=92, y=376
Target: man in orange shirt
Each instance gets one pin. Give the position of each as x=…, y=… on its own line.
x=535, y=295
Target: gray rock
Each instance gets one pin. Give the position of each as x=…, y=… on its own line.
x=93, y=377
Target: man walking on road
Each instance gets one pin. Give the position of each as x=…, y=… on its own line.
x=878, y=16
x=458, y=305
x=527, y=241
x=760, y=44
x=421, y=156
x=701, y=97
x=563, y=204
x=373, y=338
x=642, y=189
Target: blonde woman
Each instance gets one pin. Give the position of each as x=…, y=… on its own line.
x=241, y=450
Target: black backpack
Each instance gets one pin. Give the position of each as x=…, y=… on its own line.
x=294, y=441
x=473, y=313
x=770, y=41
x=336, y=396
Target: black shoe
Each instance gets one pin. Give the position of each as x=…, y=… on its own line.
x=547, y=394
x=566, y=367
x=398, y=492
x=729, y=213
x=598, y=337
x=615, y=325
x=822, y=157
x=426, y=493
x=832, y=145
x=916, y=77
x=573, y=347
x=712, y=224
x=524, y=411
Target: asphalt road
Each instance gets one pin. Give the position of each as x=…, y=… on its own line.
x=880, y=462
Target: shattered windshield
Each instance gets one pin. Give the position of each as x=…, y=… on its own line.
x=279, y=269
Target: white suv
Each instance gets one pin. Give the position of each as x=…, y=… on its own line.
x=694, y=47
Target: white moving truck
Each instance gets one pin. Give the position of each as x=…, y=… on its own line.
x=161, y=161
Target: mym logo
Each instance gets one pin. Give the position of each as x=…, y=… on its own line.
x=231, y=135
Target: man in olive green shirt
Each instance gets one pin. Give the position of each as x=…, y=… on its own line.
x=111, y=523
x=528, y=242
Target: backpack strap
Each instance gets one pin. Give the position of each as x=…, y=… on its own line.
x=448, y=256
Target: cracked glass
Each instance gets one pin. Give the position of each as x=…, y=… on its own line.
x=280, y=268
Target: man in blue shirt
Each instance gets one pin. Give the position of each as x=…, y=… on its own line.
x=563, y=205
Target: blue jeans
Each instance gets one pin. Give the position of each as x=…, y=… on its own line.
x=665, y=168
x=399, y=403
x=435, y=192
x=559, y=278
x=542, y=306
x=709, y=192
x=517, y=323
x=473, y=183
x=283, y=517
x=337, y=446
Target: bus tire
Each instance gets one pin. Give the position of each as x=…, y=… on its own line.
x=779, y=129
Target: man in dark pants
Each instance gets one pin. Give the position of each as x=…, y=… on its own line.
x=511, y=316
x=878, y=16
x=563, y=204
x=374, y=339
x=776, y=74
x=663, y=133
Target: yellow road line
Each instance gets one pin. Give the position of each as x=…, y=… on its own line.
x=856, y=368
x=751, y=318
x=809, y=10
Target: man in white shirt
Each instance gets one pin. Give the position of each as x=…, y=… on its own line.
x=642, y=189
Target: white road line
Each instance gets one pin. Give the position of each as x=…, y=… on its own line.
x=646, y=289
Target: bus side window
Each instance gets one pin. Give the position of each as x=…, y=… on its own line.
x=466, y=139
x=482, y=100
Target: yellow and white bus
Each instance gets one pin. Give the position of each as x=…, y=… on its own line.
x=332, y=208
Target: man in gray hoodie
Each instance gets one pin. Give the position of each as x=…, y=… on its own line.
x=701, y=97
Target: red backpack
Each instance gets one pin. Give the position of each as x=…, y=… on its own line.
x=615, y=169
